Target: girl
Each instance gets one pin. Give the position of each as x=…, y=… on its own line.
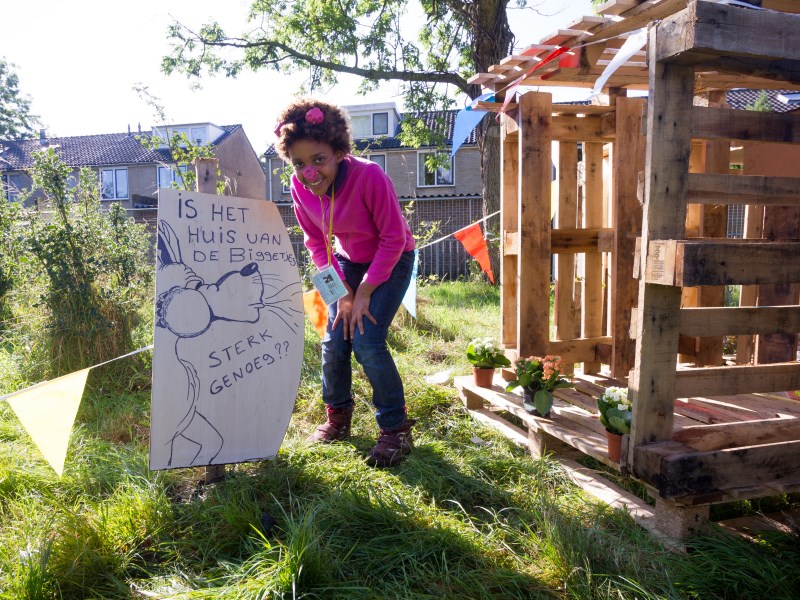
x=337, y=195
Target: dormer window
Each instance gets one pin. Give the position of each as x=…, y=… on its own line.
x=198, y=134
x=380, y=123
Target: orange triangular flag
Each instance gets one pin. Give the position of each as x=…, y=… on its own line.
x=316, y=310
x=475, y=245
x=47, y=411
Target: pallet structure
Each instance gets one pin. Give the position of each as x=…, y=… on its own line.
x=641, y=255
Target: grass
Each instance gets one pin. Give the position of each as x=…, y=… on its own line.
x=467, y=515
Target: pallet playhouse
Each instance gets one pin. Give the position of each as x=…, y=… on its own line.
x=650, y=240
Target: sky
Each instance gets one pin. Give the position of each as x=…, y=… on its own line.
x=79, y=62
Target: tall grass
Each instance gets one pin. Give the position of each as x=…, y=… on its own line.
x=467, y=515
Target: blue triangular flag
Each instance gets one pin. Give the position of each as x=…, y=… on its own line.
x=467, y=119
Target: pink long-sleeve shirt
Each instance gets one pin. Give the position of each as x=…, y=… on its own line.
x=368, y=224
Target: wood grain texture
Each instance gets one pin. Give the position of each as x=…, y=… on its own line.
x=534, y=175
x=509, y=225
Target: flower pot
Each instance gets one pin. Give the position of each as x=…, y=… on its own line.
x=614, y=445
x=483, y=377
x=538, y=403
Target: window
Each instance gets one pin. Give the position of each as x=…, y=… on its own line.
x=167, y=175
x=380, y=123
x=378, y=159
x=427, y=177
x=14, y=184
x=360, y=126
x=199, y=135
x=114, y=183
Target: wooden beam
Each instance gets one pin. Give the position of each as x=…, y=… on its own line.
x=628, y=157
x=567, y=317
x=573, y=241
x=652, y=383
x=616, y=7
x=577, y=350
x=708, y=29
x=689, y=473
x=622, y=77
x=638, y=16
x=748, y=294
x=722, y=123
x=593, y=296
x=739, y=321
x=533, y=272
x=697, y=262
x=509, y=224
x=707, y=188
x=582, y=109
x=742, y=433
x=740, y=379
x=569, y=128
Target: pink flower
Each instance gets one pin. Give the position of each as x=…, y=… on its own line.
x=315, y=116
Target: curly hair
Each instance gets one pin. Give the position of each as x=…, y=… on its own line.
x=293, y=126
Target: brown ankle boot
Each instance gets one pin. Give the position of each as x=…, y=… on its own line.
x=392, y=446
x=337, y=428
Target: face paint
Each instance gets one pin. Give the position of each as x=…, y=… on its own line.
x=310, y=173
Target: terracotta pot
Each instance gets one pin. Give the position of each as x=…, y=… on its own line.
x=483, y=377
x=614, y=445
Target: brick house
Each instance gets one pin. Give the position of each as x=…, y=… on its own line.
x=450, y=198
x=129, y=172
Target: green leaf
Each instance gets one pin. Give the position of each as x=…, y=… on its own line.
x=543, y=400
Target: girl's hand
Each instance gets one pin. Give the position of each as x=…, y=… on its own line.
x=344, y=310
x=360, y=309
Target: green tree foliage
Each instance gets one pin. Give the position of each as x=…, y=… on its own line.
x=371, y=40
x=16, y=120
x=761, y=103
x=87, y=268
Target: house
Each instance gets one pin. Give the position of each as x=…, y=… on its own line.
x=447, y=198
x=130, y=172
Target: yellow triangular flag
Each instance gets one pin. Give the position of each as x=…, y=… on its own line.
x=47, y=411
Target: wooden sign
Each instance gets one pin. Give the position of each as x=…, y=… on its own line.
x=228, y=331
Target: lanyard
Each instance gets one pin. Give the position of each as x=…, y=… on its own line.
x=329, y=236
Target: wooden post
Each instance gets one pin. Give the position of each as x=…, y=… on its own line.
x=652, y=385
x=206, y=172
x=535, y=173
x=717, y=159
x=748, y=295
x=567, y=311
x=509, y=227
x=593, y=276
x=629, y=151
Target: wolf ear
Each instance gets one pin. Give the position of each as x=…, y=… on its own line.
x=169, y=247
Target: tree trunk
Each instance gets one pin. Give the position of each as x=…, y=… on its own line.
x=492, y=41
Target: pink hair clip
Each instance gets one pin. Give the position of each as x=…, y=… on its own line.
x=315, y=116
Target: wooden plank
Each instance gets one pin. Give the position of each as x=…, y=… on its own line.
x=570, y=128
x=722, y=262
x=616, y=7
x=737, y=379
x=714, y=80
x=533, y=273
x=628, y=161
x=509, y=224
x=577, y=350
x=652, y=384
x=739, y=321
x=577, y=76
x=573, y=241
x=748, y=125
x=716, y=159
x=582, y=109
x=742, y=433
x=743, y=189
x=638, y=16
x=516, y=434
x=710, y=29
x=748, y=294
x=701, y=472
x=593, y=297
x=567, y=311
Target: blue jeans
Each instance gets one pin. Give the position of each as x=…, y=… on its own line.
x=370, y=348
